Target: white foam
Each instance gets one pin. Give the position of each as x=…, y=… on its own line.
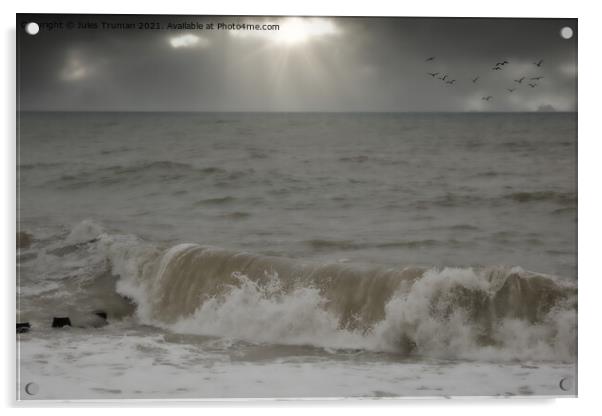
x=417, y=318
x=267, y=314
x=412, y=314
x=119, y=362
x=84, y=231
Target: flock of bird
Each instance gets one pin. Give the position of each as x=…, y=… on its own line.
x=499, y=66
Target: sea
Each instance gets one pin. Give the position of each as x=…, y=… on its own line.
x=296, y=255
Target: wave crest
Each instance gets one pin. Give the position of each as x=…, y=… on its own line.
x=496, y=313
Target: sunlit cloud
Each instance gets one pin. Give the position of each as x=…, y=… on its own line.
x=293, y=31
x=297, y=58
x=188, y=41
x=297, y=30
x=76, y=68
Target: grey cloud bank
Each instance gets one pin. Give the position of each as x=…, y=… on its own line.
x=309, y=64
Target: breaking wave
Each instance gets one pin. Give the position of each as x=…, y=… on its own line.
x=494, y=313
x=484, y=313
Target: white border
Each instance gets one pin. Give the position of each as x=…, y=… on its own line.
x=590, y=69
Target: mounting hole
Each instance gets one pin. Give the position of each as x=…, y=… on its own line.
x=566, y=32
x=566, y=383
x=32, y=389
x=32, y=28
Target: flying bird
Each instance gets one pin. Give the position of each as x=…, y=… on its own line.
x=496, y=68
x=511, y=89
x=520, y=80
x=429, y=59
x=501, y=63
x=443, y=77
x=537, y=78
x=532, y=85
x=474, y=80
x=489, y=97
x=433, y=74
x=538, y=63
x=450, y=82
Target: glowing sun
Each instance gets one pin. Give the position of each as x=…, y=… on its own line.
x=296, y=30
x=293, y=31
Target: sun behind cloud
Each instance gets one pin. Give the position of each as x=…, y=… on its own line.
x=294, y=31
x=297, y=30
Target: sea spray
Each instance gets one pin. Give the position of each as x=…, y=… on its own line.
x=496, y=313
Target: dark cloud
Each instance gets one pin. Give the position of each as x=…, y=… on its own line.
x=350, y=64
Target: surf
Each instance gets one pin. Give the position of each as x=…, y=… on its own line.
x=491, y=313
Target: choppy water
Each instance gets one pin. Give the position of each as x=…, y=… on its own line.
x=432, y=244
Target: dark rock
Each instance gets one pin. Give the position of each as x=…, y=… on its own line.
x=61, y=322
x=101, y=314
x=23, y=327
x=99, y=319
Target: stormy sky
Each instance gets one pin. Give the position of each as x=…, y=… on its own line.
x=309, y=64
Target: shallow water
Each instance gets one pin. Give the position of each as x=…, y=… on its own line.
x=123, y=362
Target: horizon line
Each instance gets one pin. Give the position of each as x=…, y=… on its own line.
x=297, y=111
